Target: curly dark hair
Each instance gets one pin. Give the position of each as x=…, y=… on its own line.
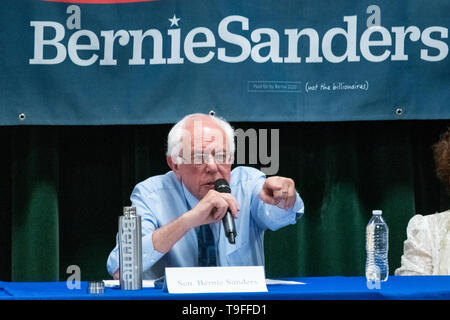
x=441, y=152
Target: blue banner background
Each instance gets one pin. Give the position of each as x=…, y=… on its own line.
x=69, y=94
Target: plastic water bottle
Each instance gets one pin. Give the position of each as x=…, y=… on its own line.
x=377, y=247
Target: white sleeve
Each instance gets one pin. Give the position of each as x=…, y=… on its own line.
x=417, y=258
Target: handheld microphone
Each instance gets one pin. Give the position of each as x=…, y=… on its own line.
x=222, y=186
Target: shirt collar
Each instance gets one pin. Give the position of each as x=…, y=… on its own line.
x=190, y=199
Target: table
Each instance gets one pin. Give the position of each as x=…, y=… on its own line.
x=316, y=288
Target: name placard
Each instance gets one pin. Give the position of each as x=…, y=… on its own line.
x=215, y=279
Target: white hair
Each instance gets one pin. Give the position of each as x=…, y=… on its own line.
x=175, y=137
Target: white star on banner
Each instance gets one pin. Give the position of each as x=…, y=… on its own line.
x=174, y=20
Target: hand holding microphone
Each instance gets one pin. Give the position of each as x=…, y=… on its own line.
x=215, y=206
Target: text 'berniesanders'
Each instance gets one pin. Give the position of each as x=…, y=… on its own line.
x=199, y=45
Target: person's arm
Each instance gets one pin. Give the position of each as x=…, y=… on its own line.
x=212, y=208
x=164, y=238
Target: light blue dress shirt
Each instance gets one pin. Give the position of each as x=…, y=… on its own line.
x=162, y=199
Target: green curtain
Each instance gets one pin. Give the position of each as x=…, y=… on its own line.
x=35, y=223
x=63, y=189
x=343, y=172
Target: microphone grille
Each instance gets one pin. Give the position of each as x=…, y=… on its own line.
x=221, y=185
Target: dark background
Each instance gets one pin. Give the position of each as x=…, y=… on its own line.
x=63, y=188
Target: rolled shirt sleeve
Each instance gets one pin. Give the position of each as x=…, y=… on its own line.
x=149, y=224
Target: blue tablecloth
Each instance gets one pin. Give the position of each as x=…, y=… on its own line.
x=317, y=288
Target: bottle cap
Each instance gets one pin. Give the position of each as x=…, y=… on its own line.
x=377, y=212
x=129, y=211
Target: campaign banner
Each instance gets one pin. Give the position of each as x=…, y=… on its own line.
x=113, y=62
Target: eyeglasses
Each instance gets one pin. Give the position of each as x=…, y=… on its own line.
x=200, y=159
